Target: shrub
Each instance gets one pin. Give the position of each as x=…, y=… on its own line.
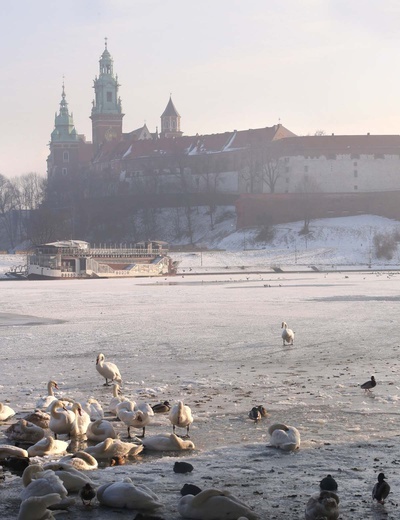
x=386, y=244
x=265, y=234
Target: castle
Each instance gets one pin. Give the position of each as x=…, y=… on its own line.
x=271, y=162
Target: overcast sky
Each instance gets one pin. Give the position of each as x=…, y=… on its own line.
x=230, y=64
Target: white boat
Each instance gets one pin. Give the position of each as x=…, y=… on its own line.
x=76, y=259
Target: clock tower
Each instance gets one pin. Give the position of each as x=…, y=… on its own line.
x=107, y=111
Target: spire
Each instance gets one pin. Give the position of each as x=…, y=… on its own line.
x=106, y=61
x=170, y=110
x=64, y=129
x=171, y=120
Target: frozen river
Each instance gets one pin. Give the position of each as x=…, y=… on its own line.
x=215, y=343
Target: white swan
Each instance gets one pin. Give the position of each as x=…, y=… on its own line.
x=72, y=478
x=39, y=418
x=94, y=409
x=116, y=398
x=61, y=419
x=24, y=431
x=113, y=448
x=81, y=422
x=287, y=334
x=127, y=495
x=100, y=430
x=45, y=401
x=181, y=415
x=212, y=504
x=167, y=442
x=134, y=419
x=5, y=412
x=80, y=460
x=8, y=450
x=108, y=370
x=48, y=446
x=39, y=482
x=286, y=438
x=323, y=505
x=35, y=508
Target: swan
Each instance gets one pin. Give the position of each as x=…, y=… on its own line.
x=24, y=431
x=287, y=334
x=108, y=370
x=39, y=482
x=72, y=478
x=135, y=419
x=94, y=409
x=167, y=442
x=381, y=489
x=100, y=430
x=80, y=460
x=116, y=398
x=212, y=504
x=81, y=422
x=35, y=508
x=8, y=450
x=39, y=418
x=48, y=446
x=113, y=448
x=127, y=495
x=61, y=419
x=5, y=412
x=181, y=415
x=45, y=401
x=286, y=438
x=323, y=505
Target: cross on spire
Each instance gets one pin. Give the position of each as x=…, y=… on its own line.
x=105, y=42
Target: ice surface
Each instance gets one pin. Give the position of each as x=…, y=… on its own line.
x=214, y=341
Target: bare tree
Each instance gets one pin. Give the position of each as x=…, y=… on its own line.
x=306, y=188
x=271, y=170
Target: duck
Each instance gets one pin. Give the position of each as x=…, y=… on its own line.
x=87, y=494
x=38, y=418
x=255, y=414
x=36, y=507
x=72, y=478
x=369, y=384
x=181, y=415
x=61, y=419
x=167, y=442
x=134, y=419
x=81, y=460
x=213, y=504
x=328, y=483
x=81, y=422
x=108, y=370
x=323, y=505
x=190, y=489
x=24, y=431
x=182, y=467
x=6, y=412
x=381, y=489
x=16, y=464
x=94, y=409
x=8, y=450
x=125, y=494
x=100, y=430
x=39, y=482
x=116, y=398
x=113, y=448
x=48, y=446
x=286, y=438
x=163, y=407
x=287, y=334
x=45, y=401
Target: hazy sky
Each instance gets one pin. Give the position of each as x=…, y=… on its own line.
x=230, y=64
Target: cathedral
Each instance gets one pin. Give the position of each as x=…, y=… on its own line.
x=272, y=163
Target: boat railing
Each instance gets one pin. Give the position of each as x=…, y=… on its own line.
x=105, y=252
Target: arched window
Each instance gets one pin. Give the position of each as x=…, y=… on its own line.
x=65, y=156
x=64, y=171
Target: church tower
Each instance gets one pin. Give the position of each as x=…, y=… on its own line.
x=171, y=121
x=64, y=144
x=107, y=111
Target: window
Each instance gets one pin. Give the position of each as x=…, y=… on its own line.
x=109, y=96
x=287, y=169
x=355, y=163
x=287, y=180
x=331, y=156
x=355, y=173
x=355, y=156
x=306, y=169
x=64, y=171
x=66, y=156
x=355, y=187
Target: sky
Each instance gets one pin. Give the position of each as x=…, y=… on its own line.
x=312, y=65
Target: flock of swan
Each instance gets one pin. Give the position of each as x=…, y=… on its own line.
x=50, y=474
